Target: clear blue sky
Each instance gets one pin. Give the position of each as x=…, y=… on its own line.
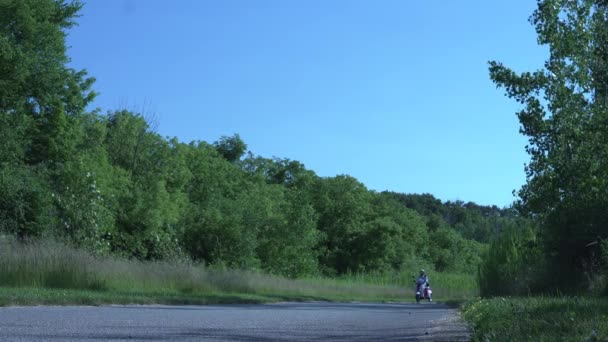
x=394, y=93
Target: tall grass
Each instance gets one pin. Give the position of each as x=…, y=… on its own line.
x=452, y=286
x=49, y=264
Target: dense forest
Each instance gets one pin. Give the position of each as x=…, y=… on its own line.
x=110, y=184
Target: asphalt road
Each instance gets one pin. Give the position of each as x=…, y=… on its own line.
x=272, y=322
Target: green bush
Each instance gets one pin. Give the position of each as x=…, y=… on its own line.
x=514, y=264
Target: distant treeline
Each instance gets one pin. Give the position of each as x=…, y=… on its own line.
x=475, y=222
x=110, y=184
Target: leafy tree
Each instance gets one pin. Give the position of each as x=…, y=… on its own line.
x=289, y=173
x=232, y=148
x=216, y=233
x=25, y=201
x=86, y=188
x=212, y=175
x=15, y=142
x=449, y=251
x=83, y=216
x=343, y=205
x=287, y=233
x=40, y=101
x=565, y=118
x=392, y=236
x=129, y=140
x=151, y=197
x=33, y=59
x=34, y=77
x=425, y=204
x=215, y=230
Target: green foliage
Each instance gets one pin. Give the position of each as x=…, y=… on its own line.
x=449, y=251
x=514, y=263
x=25, y=201
x=474, y=222
x=215, y=227
x=538, y=319
x=289, y=173
x=564, y=117
x=111, y=185
x=457, y=231
x=84, y=218
x=392, y=236
x=231, y=148
x=150, y=198
x=14, y=128
x=288, y=236
x=343, y=205
x=33, y=59
x=38, y=92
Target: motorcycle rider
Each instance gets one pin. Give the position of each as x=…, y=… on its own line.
x=422, y=282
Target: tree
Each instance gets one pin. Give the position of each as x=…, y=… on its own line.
x=565, y=118
x=41, y=100
x=392, y=236
x=33, y=59
x=343, y=205
x=290, y=173
x=34, y=77
x=15, y=142
x=215, y=230
x=151, y=176
x=232, y=148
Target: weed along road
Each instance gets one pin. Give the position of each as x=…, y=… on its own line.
x=271, y=322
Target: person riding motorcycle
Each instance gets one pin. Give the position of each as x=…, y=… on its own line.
x=423, y=278
x=422, y=282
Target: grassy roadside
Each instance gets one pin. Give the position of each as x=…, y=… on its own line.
x=41, y=296
x=52, y=273
x=538, y=319
x=21, y=296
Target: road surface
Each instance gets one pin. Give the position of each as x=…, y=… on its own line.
x=271, y=322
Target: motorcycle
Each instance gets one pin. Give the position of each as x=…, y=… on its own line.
x=423, y=291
